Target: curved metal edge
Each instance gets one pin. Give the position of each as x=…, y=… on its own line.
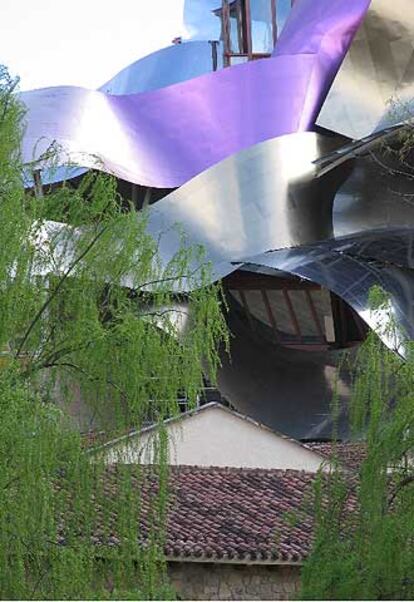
x=380, y=62
x=264, y=197
x=165, y=137
x=376, y=195
x=258, y=199
x=352, y=278
x=160, y=69
x=165, y=67
x=391, y=245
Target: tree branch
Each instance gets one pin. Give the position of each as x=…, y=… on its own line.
x=82, y=371
x=54, y=293
x=406, y=481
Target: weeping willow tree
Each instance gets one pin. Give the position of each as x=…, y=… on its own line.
x=364, y=536
x=88, y=317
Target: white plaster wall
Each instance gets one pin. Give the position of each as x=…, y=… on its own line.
x=215, y=437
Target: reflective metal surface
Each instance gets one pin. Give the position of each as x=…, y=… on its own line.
x=286, y=389
x=272, y=196
x=376, y=79
x=160, y=69
x=352, y=277
x=261, y=26
x=361, y=147
x=378, y=190
x=265, y=197
x=390, y=245
x=165, y=137
x=374, y=196
x=171, y=65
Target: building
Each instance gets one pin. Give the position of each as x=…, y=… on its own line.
x=240, y=510
x=262, y=150
x=232, y=533
x=215, y=435
x=279, y=187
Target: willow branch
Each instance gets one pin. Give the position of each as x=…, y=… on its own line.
x=54, y=293
x=82, y=371
x=399, y=487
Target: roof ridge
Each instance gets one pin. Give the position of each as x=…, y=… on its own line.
x=195, y=467
x=203, y=408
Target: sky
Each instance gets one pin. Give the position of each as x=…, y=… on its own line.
x=82, y=42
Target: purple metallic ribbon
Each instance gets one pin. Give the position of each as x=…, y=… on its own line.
x=165, y=137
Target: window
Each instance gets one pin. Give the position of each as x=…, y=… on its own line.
x=249, y=29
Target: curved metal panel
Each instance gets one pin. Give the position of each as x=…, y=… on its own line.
x=374, y=197
x=323, y=26
x=165, y=137
x=392, y=245
x=160, y=69
x=377, y=193
x=380, y=62
x=286, y=389
x=362, y=147
x=165, y=67
x=158, y=138
x=265, y=197
x=352, y=278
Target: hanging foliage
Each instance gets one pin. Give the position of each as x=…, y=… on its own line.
x=364, y=535
x=91, y=336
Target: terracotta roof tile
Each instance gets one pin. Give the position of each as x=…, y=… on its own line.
x=351, y=454
x=219, y=514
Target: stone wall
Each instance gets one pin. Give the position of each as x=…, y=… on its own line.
x=209, y=581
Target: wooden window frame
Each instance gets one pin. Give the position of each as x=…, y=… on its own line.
x=244, y=30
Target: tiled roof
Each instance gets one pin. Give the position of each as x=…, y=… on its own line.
x=92, y=439
x=351, y=454
x=240, y=514
x=217, y=514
